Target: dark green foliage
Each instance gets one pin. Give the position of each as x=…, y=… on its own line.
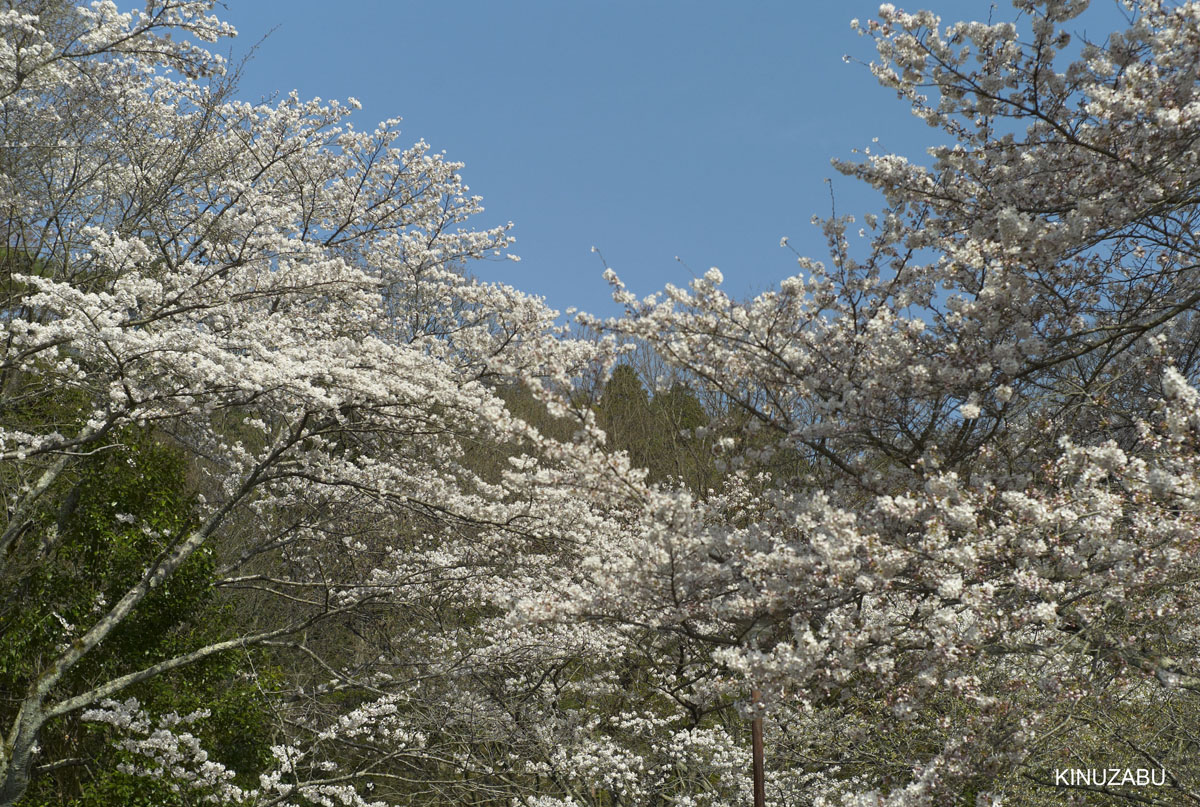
x=12, y=290
x=659, y=431
x=119, y=510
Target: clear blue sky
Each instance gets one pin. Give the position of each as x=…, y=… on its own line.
x=651, y=130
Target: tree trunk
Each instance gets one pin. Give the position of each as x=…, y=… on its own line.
x=756, y=735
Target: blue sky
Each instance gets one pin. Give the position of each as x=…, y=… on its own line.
x=651, y=130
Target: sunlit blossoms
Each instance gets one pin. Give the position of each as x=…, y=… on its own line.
x=266, y=290
x=991, y=388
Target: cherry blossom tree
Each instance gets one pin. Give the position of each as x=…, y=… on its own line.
x=991, y=558
x=278, y=296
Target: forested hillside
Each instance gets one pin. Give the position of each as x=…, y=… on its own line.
x=299, y=511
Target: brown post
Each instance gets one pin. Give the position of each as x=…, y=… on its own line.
x=756, y=739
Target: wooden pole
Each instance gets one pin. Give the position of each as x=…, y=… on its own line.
x=756, y=735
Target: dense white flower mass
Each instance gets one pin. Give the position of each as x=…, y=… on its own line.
x=187, y=262
x=949, y=533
